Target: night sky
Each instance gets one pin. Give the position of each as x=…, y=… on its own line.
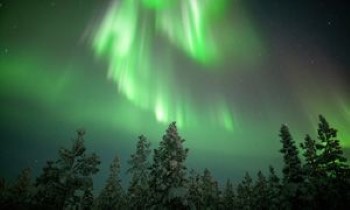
x=230, y=73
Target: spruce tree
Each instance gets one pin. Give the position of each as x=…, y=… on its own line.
x=334, y=184
x=310, y=166
x=274, y=190
x=260, y=192
x=112, y=196
x=195, y=190
x=245, y=193
x=168, y=171
x=63, y=182
x=156, y=187
x=138, y=189
x=331, y=160
x=292, y=171
x=210, y=191
x=229, y=198
x=311, y=171
x=21, y=191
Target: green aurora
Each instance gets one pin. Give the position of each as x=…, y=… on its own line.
x=145, y=72
x=220, y=70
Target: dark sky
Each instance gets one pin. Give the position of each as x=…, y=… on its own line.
x=52, y=83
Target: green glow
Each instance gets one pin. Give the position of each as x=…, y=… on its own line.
x=189, y=25
x=158, y=4
x=129, y=38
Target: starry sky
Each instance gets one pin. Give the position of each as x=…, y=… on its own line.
x=230, y=73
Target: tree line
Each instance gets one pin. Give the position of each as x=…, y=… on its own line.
x=318, y=178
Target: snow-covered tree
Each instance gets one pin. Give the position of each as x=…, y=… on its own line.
x=112, y=196
x=210, y=191
x=168, y=180
x=228, y=197
x=156, y=187
x=63, y=182
x=138, y=191
x=195, y=190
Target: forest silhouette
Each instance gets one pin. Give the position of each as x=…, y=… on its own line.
x=315, y=175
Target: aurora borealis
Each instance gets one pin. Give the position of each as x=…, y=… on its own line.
x=229, y=72
x=144, y=70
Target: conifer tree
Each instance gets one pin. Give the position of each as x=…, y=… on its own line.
x=156, y=187
x=49, y=187
x=138, y=191
x=63, y=182
x=334, y=183
x=331, y=160
x=310, y=171
x=292, y=171
x=245, y=193
x=310, y=155
x=210, y=191
x=260, y=192
x=195, y=191
x=168, y=171
x=229, y=198
x=274, y=190
x=21, y=191
x=112, y=195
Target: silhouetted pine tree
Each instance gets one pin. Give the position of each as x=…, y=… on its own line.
x=310, y=171
x=292, y=172
x=274, y=190
x=168, y=172
x=19, y=194
x=195, y=190
x=331, y=160
x=334, y=185
x=260, y=193
x=229, y=198
x=63, y=182
x=310, y=155
x=156, y=187
x=210, y=191
x=112, y=196
x=138, y=191
x=49, y=187
x=245, y=193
